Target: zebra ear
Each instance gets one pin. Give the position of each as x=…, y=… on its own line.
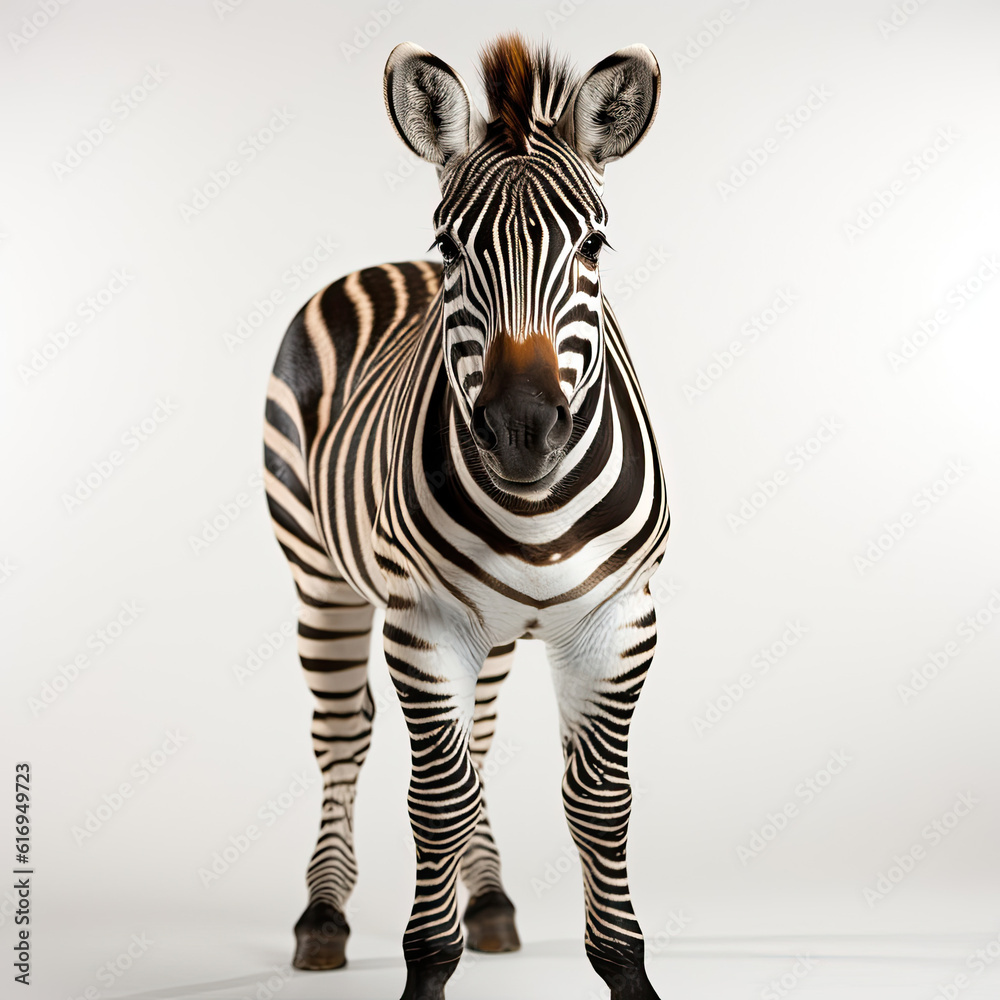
x=614, y=105
x=429, y=105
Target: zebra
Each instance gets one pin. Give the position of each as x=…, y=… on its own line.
x=466, y=446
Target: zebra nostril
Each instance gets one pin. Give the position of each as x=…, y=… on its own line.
x=560, y=431
x=482, y=433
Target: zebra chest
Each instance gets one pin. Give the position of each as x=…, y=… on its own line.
x=512, y=586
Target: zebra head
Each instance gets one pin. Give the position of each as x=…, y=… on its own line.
x=520, y=228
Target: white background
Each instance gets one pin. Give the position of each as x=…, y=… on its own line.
x=726, y=590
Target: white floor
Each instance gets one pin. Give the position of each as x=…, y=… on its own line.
x=695, y=969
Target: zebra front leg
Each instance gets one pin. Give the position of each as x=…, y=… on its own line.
x=599, y=671
x=434, y=672
x=489, y=915
x=334, y=634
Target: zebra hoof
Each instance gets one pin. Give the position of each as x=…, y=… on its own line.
x=489, y=921
x=425, y=979
x=626, y=982
x=320, y=938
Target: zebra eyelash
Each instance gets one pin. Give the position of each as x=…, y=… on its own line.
x=448, y=248
x=598, y=241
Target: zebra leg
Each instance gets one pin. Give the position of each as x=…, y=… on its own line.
x=333, y=647
x=489, y=915
x=599, y=672
x=334, y=639
x=435, y=681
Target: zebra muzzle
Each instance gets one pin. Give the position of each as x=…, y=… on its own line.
x=521, y=420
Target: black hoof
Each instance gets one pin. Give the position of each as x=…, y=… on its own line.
x=320, y=938
x=489, y=922
x=626, y=982
x=425, y=980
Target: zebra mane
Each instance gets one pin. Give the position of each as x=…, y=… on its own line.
x=524, y=84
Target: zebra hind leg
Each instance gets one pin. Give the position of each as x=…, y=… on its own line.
x=334, y=638
x=489, y=915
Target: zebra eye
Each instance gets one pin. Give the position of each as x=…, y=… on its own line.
x=590, y=248
x=449, y=249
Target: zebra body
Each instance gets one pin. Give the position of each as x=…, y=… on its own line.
x=510, y=572
x=468, y=448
